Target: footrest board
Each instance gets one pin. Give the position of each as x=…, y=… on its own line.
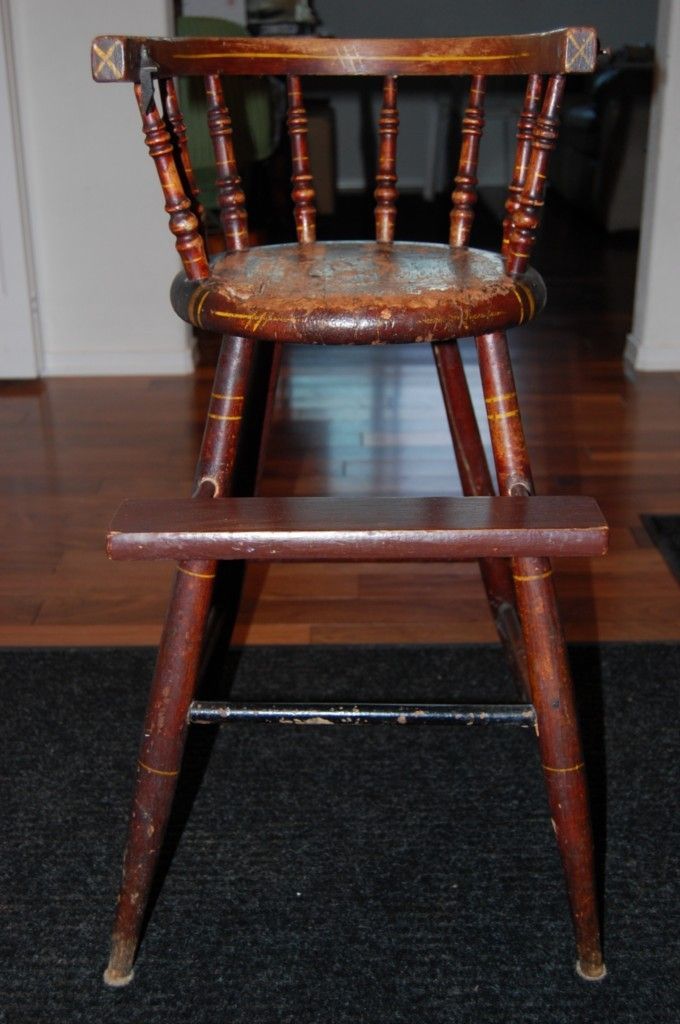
x=356, y=529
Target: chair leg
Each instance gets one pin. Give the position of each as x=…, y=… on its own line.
x=176, y=670
x=270, y=401
x=253, y=441
x=476, y=480
x=160, y=757
x=549, y=677
x=561, y=753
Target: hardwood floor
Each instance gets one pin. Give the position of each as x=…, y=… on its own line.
x=351, y=421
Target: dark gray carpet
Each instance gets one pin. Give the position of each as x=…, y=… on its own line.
x=337, y=875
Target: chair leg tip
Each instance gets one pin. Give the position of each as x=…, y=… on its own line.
x=591, y=972
x=114, y=979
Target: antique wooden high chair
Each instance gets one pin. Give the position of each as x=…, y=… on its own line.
x=359, y=293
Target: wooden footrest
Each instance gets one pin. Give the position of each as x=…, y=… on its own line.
x=356, y=529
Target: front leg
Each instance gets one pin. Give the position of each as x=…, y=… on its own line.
x=177, y=666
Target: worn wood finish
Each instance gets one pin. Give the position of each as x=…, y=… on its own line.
x=175, y=120
x=301, y=178
x=177, y=665
x=475, y=478
x=568, y=50
x=502, y=412
x=464, y=195
x=561, y=753
x=159, y=758
x=183, y=223
x=230, y=194
x=551, y=687
x=526, y=217
x=359, y=293
x=143, y=60
x=386, y=178
x=357, y=529
x=525, y=131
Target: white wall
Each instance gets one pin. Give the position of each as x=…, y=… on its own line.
x=103, y=254
x=654, y=341
x=19, y=328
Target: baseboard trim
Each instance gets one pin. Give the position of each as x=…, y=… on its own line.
x=649, y=357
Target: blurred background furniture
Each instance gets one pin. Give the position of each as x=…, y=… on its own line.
x=599, y=163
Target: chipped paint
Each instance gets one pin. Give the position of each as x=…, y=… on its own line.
x=360, y=293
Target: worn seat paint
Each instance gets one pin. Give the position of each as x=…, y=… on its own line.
x=363, y=293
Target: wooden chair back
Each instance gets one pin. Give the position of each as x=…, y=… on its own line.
x=545, y=58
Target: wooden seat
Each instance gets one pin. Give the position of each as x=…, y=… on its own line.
x=353, y=293
x=382, y=292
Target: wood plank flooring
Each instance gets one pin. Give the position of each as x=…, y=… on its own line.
x=349, y=421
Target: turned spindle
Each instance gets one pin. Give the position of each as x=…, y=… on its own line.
x=183, y=223
x=525, y=130
x=386, y=178
x=230, y=195
x=527, y=217
x=178, y=132
x=303, y=189
x=464, y=195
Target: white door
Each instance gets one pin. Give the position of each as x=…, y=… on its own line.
x=18, y=324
